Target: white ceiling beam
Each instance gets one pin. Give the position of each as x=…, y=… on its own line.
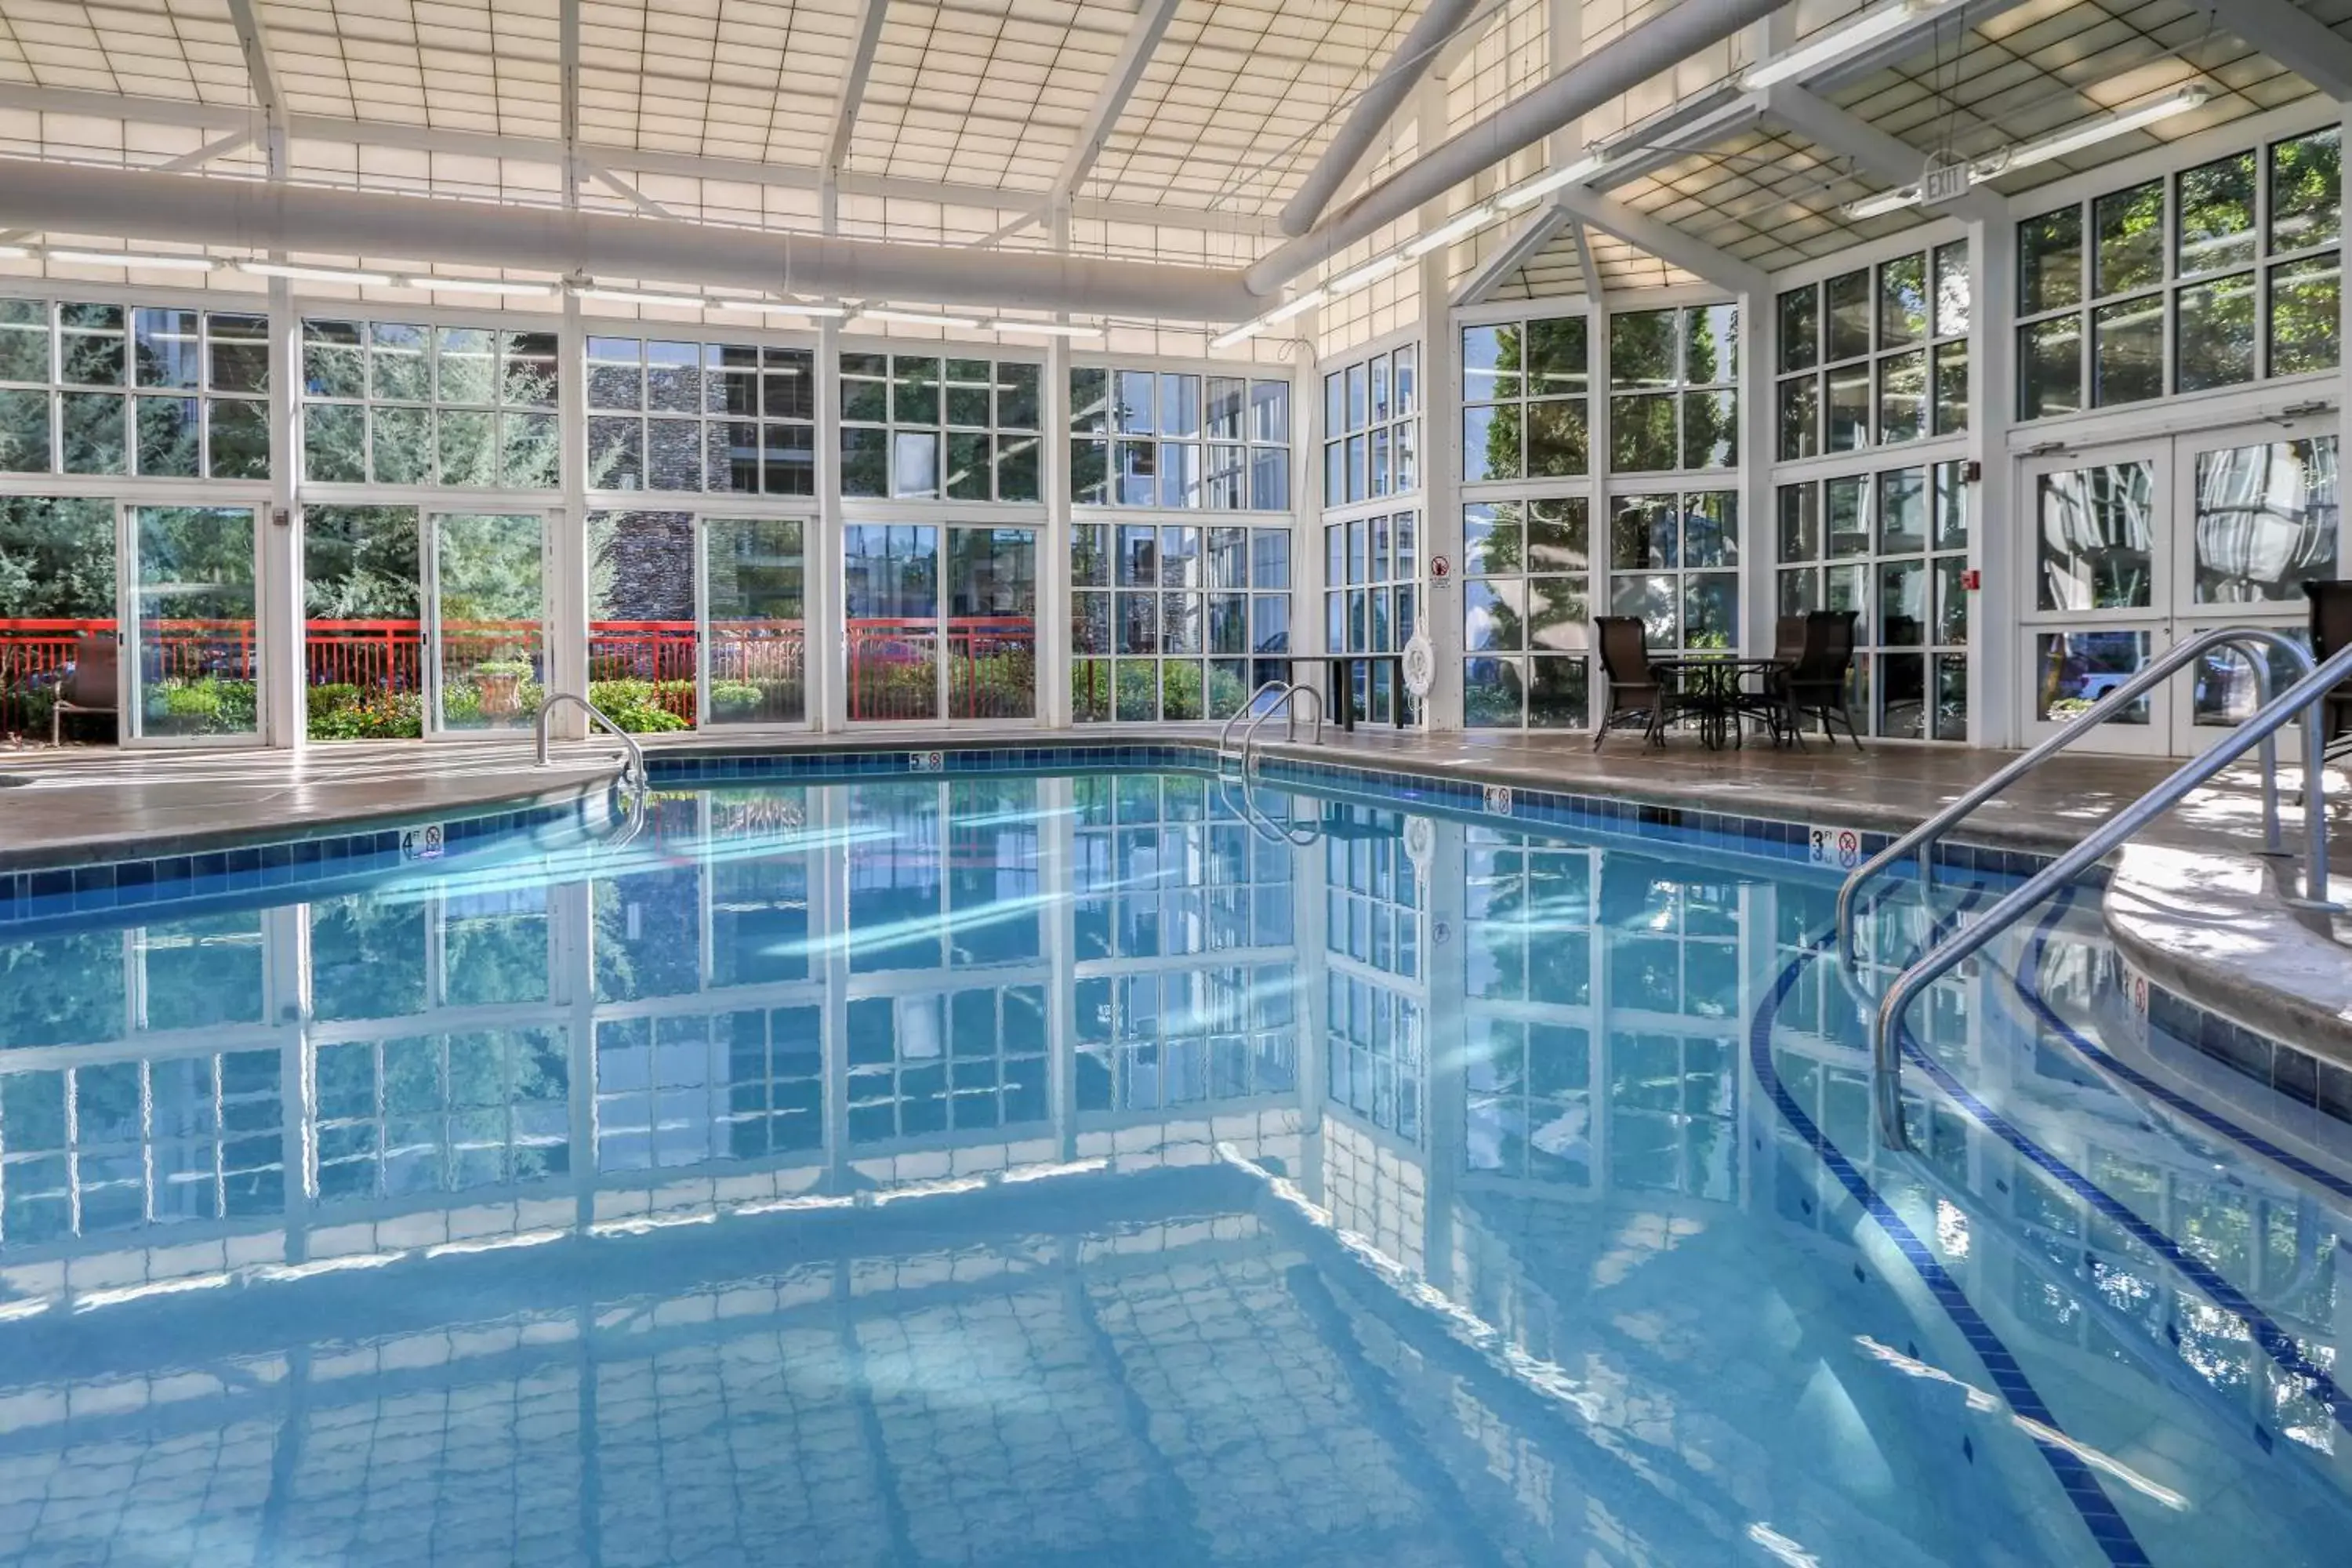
x=870, y=16
x=262, y=74
x=1874, y=152
x=1126, y=73
x=1594, y=289
x=1535, y=231
x=622, y=189
x=1945, y=22
x=2296, y=39
x=568, y=36
x=1667, y=243
x=536, y=150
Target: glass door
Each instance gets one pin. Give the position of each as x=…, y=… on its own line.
x=193, y=671
x=2097, y=599
x=2255, y=516
x=754, y=623
x=921, y=648
x=489, y=659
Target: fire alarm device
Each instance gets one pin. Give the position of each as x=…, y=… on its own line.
x=1971, y=579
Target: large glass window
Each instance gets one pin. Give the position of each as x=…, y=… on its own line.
x=1165, y=438
x=1371, y=428
x=1673, y=561
x=920, y=428
x=1371, y=582
x=394, y=403
x=2236, y=264
x=118, y=389
x=728, y=419
x=940, y=627
x=1175, y=622
x=1878, y=355
x=1525, y=403
x=57, y=587
x=1673, y=400
x=1527, y=617
x=1893, y=546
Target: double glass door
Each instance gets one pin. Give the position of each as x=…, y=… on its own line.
x=697, y=621
x=942, y=622
x=189, y=670
x=420, y=623
x=2135, y=547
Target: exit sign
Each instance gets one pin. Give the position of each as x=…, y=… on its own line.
x=1943, y=182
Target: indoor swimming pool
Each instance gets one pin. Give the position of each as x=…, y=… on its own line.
x=1057, y=1167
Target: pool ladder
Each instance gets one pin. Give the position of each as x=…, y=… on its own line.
x=2301, y=700
x=1286, y=695
x=634, y=779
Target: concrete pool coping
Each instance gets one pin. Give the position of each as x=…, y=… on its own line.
x=2190, y=905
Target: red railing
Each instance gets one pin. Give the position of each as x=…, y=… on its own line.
x=893, y=664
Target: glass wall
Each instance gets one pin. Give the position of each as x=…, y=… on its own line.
x=1877, y=355
x=921, y=427
x=1372, y=577
x=394, y=403
x=1524, y=406
x=1526, y=628
x=728, y=419
x=93, y=388
x=1173, y=439
x=1673, y=402
x=56, y=605
x=1371, y=428
x=2233, y=266
x=1175, y=622
x=924, y=646
x=1673, y=561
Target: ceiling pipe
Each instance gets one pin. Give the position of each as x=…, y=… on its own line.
x=1609, y=72
x=138, y=204
x=1373, y=110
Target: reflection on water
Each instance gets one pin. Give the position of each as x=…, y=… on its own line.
x=1021, y=1169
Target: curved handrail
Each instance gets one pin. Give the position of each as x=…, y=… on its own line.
x=2300, y=700
x=633, y=769
x=1287, y=706
x=1225, y=735
x=1923, y=838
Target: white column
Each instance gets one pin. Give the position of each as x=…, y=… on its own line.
x=282, y=671
x=2000, y=532
x=1759, y=513
x=1441, y=451
x=567, y=540
x=1054, y=544
x=827, y=656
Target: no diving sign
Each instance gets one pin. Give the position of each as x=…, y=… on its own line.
x=1838, y=846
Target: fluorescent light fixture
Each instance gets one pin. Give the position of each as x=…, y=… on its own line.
x=1048, y=328
x=2097, y=131
x=1371, y=271
x=1232, y=335
x=920, y=317
x=313, y=274
x=775, y=307
x=1454, y=228
x=132, y=258
x=641, y=297
x=1836, y=44
x=14, y=252
x=1298, y=307
x=1883, y=202
x=480, y=285
x=1542, y=185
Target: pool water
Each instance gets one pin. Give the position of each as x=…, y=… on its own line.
x=1067, y=1168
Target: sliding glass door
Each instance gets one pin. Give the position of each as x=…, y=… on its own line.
x=488, y=628
x=193, y=663
x=942, y=622
x=755, y=630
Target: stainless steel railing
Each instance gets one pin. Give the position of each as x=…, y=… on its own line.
x=1286, y=704
x=633, y=770
x=2298, y=702
x=1923, y=838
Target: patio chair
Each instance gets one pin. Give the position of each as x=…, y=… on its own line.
x=1773, y=703
x=1816, y=684
x=1634, y=690
x=89, y=687
x=2331, y=633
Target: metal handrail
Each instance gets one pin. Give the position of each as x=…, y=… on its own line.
x=1923, y=838
x=1287, y=704
x=1225, y=735
x=2300, y=700
x=633, y=770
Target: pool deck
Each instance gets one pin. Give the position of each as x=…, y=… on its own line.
x=2190, y=876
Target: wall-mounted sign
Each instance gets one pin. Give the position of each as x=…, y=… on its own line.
x=1440, y=567
x=1945, y=179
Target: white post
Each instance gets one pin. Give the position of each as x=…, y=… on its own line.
x=1055, y=540
x=566, y=551
x=283, y=665
x=827, y=656
x=2000, y=527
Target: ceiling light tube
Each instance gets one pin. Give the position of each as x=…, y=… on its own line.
x=1836, y=44
x=641, y=297
x=1883, y=202
x=313, y=274
x=480, y=285
x=1454, y=228
x=14, y=252
x=920, y=317
x=1371, y=271
x=1232, y=335
x=2097, y=131
x=1048, y=328
x=132, y=258
x=1542, y=185
x=776, y=307
x=1298, y=307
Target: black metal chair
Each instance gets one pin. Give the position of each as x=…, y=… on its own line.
x=2331, y=633
x=89, y=687
x=1634, y=690
x=1816, y=684
x=1771, y=704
